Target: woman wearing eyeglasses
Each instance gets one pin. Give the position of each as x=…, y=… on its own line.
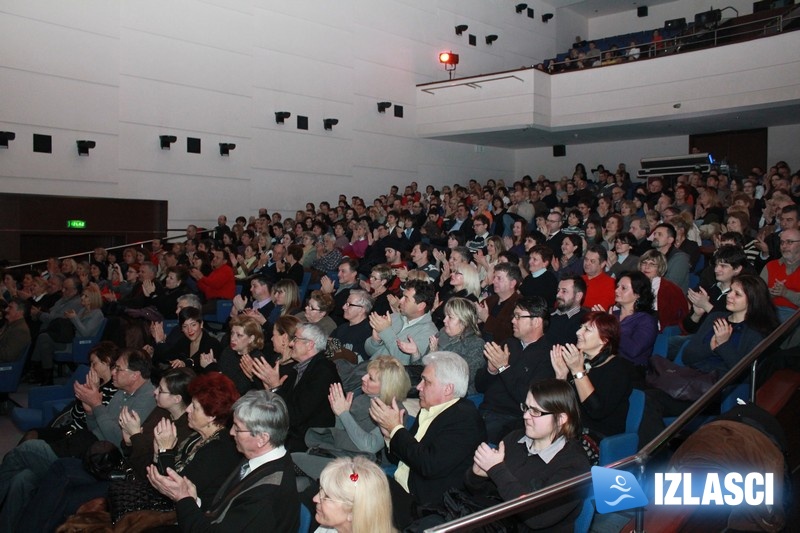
x=317, y=310
x=602, y=381
x=353, y=498
x=378, y=287
x=546, y=452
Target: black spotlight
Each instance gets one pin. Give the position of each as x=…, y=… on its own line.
x=546, y=17
x=85, y=146
x=281, y=116
x=519, y=8
x=166, y=140
x=6, y=136
x=329, y=123
x=225, y=148
x=461, y=28
x=383, y=106
x=490, y=39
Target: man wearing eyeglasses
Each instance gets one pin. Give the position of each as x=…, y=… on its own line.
x=783, y=276
x=356, y=330
x=511, y=367
x=131, y=375
x=261, y=494
x=305, y=386
x=24, y=467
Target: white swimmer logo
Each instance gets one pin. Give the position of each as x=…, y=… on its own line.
x=620, y=486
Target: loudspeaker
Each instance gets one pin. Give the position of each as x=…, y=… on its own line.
x=192, y=145
x=642, y=11
x=559, y=150
x=42, y=143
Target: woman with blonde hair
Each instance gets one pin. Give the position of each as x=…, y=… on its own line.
x=355, y=433
x=236, y=360
x=286, y=296
x=84, y=323
x=466, y=283
x=487, y=260
x=354, y=498
x=358, y=245
x=670, y=302
x=460, y=334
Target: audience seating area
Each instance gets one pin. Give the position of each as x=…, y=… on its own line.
x=519, y=224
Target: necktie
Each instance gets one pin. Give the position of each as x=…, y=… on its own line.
x=244, y=470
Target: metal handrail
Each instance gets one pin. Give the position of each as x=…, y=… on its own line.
x=534, y=500
x=108, y=248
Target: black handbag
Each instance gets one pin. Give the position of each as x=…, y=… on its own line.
x=104, y=460
x=680, y=382
x=135, y=495
x=73, y=443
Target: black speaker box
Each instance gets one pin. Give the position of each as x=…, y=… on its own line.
x=559, y=150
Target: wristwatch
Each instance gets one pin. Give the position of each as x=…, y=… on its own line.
x=503, y=368
x=578, y=375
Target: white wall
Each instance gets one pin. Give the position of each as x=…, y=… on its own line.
x=536, y=161
x=782, y=145
x=123, y=73
x=570, y=24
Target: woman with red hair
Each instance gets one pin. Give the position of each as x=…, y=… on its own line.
x=602, y=381
x=209, y=455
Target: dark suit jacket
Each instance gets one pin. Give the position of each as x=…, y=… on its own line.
x=307, y=400
x=498, y=328
x=264, y=500
x=443, y=456
x=294, y=273
x=414, y=238
x=466, y=228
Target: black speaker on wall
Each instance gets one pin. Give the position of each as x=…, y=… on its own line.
x=559, y=150
x=641, y=11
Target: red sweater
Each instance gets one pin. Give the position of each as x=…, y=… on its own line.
x=599, y=290
x=776, y=271
x=219, y=284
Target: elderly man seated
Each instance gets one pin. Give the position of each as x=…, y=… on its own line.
x=437, y=451
x=261, y=494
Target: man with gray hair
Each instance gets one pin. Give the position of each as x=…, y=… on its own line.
x=438, y=450
x=305, y=386
x=356, y=330
x=261, y=491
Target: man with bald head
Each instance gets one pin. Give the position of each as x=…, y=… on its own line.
x=782, y=275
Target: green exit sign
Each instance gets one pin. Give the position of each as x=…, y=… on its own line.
x=76, y=224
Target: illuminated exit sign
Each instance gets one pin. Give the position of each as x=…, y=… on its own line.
x=76, y=224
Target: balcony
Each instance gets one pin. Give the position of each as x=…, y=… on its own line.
x=743, y=85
